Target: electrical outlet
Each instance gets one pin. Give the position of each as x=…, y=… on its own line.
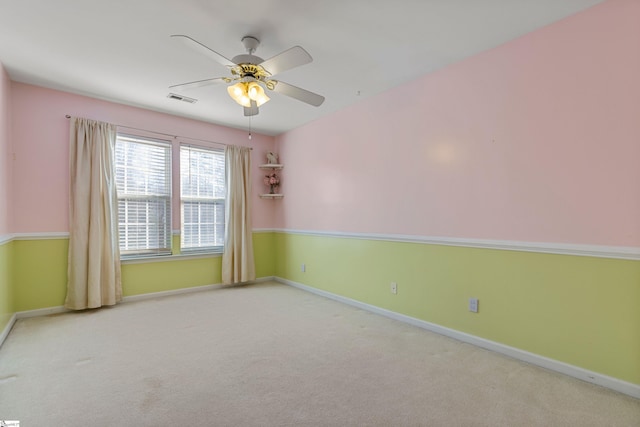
x=303, y=267
x=394, y=288
x=473, y=305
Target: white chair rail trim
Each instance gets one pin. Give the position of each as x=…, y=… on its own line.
x=40, y=236
x=598, y=251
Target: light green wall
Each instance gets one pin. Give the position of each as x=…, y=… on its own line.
x=142, y=278
x=40, y=272
x=6, y=291
x=265, y=255
x=579, y=310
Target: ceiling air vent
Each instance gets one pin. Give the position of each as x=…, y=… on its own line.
x=182, y=98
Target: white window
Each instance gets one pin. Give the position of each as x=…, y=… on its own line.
x=202, y=193
x=143, y=178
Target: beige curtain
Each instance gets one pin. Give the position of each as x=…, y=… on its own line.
x=94, y=254
x=237, y=260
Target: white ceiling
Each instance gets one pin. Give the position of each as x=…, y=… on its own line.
x=120, y=50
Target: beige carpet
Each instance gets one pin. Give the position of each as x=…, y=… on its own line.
x=272, y=355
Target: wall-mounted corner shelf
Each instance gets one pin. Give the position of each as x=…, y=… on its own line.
x=271, y=166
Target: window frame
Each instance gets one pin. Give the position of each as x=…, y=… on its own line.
x=199, y=199
x=166, y=198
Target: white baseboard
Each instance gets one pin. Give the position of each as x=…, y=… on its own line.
x=152, y=295
x=41, y=312
x=7, y=329
x=160, y=294
x=544, y=362
x=61, y=309
x=525, y=356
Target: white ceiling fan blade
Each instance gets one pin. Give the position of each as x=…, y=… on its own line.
x=299, y=94
x=199, y=47
x=199, y=83
x=286, y=60
x=251, y=111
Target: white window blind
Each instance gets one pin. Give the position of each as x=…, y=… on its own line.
x=202, y=195
x=143, y=178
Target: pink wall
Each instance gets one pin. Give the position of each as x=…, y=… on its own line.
x=536, y=140
x=5, y=153
x=41, y=139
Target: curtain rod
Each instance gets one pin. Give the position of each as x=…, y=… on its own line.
x=167, y=134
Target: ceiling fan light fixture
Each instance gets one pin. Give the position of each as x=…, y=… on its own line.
x=243, y=93
x=238, y=92
x=256, y=93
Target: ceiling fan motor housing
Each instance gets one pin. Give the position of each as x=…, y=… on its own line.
x=250, y=43
x=247, y=59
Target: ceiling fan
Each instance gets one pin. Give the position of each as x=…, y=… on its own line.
x=252, y=74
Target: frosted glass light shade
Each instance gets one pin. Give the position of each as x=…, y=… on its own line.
x=238, y=92
x=256, y=93
x=243, y=93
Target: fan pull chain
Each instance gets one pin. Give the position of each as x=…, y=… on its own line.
x=249, y=127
